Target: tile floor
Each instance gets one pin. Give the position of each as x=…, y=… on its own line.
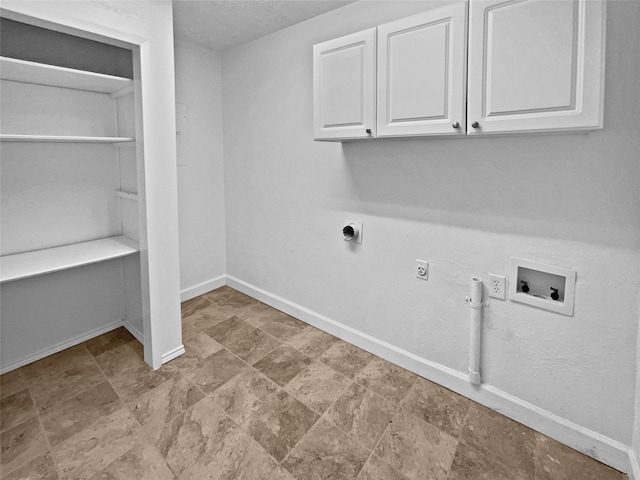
x=258, y=395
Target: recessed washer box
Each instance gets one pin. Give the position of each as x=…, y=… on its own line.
x=543, y=286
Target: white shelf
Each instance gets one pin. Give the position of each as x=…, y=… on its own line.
x=61, y=139
x=54, y=76
x=126, y=195
x=40, y=262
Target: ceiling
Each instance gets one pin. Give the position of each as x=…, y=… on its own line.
x=222, y=24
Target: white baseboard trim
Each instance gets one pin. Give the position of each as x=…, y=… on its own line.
x=204, y=287
x=133, y=330
x=634, y=468
x=593, y=444
x=60, y=346
x=176, y=352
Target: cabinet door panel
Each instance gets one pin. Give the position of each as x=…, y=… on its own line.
x=344, y=86
x=535, y=65
x=421, y=71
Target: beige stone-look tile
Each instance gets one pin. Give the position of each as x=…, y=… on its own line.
x=137, y=381
x=79, y=412
x=205, y=319
x=239, y=457
x=40, y=468
x=194, y=437
x=244, y=394
x=254, y=346
x=500, y=438
x=215, y=370
x=318, y=386
x=284, y=327
x=437, y=405
x=93, y=449
x=141, y=462
x=258, y=314
x=229, y=298
x=282, y=364
x=346, y=358
x=312, y=342
x=57, y=363
x=229, y=331
x=108, y=341
x=386, y=379
x=120, y=359
x=197, y=347
x=16, y=408
x=21, y=444
x=471, y=464
x=189, y=329
x=362, y=414
x=54, y=390
x=416, y=448
x=554, y=461
x=326, y=453
x=158, y=406
x=194, y=305
x=279, y=423
x=218, y=293
x=376, y=469
x=12, y=382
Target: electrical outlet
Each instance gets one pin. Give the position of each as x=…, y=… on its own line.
x=422, y=269
x=497, y=286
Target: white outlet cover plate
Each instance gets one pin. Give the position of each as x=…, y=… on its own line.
x=497, y=286
x=425, y=264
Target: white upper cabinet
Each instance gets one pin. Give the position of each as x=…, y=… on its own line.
x=476, y=67
x=535, y=65
x=344, y=87
x=421, y=74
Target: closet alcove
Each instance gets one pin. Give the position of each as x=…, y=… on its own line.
x=73, y=213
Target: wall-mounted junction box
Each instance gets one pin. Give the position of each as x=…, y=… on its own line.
x=543, y=286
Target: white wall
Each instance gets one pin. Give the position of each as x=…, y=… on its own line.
x=201, y=178
x=148, y=25
x=465, y=205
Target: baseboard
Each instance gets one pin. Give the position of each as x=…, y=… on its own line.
x=634, y=468
x=60, y=346
x=176, y=352
x=133, y=330
x=593, y=444
x=204, y=287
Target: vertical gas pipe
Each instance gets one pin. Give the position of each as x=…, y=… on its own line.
x=475, y=302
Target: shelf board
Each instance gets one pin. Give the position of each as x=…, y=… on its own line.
x=40, y=262
x=126, y=195
x=54, y=76
x=61, y=139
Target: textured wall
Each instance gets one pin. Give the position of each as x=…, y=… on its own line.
x=201, y=180
x=466, y=205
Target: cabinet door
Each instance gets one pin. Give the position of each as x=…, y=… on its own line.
x=421, y=73
x=344, y=87
x=535, y=65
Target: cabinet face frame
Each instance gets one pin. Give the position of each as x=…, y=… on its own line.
x=450, y=23
x=353, y=59
x=584, y=112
